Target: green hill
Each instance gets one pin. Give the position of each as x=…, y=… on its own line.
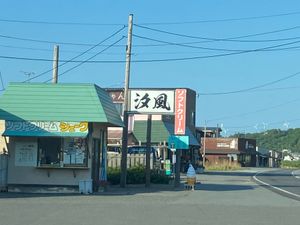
x=276, y=139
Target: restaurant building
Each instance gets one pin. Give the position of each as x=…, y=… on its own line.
x=57, y=134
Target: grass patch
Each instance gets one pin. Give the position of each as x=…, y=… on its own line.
x=222, y=166
x=290, y=164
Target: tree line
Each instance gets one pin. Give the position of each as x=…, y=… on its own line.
x=275, y=139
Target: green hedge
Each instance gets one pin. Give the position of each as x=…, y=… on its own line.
x=136, y=175
x=290, y=164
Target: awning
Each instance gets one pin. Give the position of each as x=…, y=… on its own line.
x=160, y=132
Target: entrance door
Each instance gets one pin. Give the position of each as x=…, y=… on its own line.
x=96, y=164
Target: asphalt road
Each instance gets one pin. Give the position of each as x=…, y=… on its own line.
x=286, y=180
x=222, y=198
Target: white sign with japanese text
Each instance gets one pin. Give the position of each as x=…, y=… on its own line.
x=152, y=101
x=25, y=153
x=180, y=111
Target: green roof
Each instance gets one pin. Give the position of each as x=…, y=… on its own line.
x=58, y=102
x=160, y=132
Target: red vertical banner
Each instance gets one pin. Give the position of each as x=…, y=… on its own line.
x=180, y=110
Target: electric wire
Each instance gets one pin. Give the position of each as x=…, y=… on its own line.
x=252, y=88
x=159, y=60
x=77, y=56
x=191, y=46
x=60, y=23
x=223, y=20
x=160, y=23
x=74, y=67
x=253, y=112
x=231, y=39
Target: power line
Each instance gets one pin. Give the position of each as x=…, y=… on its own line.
x=231, y=39
x=159, y=60
x=253, y=112
x=2, y=83
x=160, y=23
x=112, y=35
x=51, y=50
x=88, y=59
x=60, y=23
x=184, y=45
x=252, y=88
x=191, y=46
x=223, y=20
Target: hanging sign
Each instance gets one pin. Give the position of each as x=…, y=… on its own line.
x=180, y=110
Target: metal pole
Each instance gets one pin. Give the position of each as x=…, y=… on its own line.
x=148, y=151
x=204, y=144
x=55, y=64
x=125, y=109
x=177, y=168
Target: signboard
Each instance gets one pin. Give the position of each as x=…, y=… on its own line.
x=152, y=101
x=180, y=110
x=168, y=167
x=178, y=142
x=26, y=154
x=46, y=126
x=117, y=96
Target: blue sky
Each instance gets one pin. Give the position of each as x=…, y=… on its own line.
x=272, y=106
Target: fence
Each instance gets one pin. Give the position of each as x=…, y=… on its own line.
x=114, y=160
x=3, y=172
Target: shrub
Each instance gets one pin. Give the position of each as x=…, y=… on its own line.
x=222, y=165
x=114, y=175
x=136, y=175
x=290, y=164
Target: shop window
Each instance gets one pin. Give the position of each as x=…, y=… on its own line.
x=62, y=152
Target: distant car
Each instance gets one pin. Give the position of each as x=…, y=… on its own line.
x=113, y=150
x=141, y=150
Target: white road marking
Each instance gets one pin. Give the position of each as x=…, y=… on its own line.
x=296, y=175
x=276, y=188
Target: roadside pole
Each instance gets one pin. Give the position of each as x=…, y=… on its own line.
x=148, y=151
x=55, y=64
x=177, y=168
x=125, y=110
x=204, y=144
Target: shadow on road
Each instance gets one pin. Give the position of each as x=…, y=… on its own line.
x=223, y=187
x=230, y=173
x=111, y=191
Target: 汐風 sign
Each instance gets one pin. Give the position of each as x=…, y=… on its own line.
x=152, y=101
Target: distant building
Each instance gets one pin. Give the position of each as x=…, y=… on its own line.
x=241, y=150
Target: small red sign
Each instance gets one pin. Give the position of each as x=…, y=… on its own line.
x=180, y=110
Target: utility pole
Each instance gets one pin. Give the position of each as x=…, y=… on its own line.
x=204, y=144
x=55, y=64
x=125, y=109
x=148, y=151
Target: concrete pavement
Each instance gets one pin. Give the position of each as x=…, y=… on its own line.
x=221, y=198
